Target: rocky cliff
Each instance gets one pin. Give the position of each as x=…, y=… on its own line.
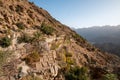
x=35, y=45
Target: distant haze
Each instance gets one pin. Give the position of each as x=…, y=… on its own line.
x=105, y=34
x=83, y=13
x=107, y=38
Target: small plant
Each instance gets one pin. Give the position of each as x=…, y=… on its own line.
x=37, y=35
x=5, y=42
x=46, y=29
x=77, y=73
x=19, y=8
x=33, y=57
x=19, y=69
x=110, y=77
x=20, y=25
x=69, y=61
x=25, y=38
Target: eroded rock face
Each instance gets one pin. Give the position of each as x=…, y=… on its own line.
x=33, y=52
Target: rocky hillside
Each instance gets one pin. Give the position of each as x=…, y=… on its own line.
x=35, y=46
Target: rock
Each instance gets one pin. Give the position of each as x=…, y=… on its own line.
x=24, y=68
x=54, y=70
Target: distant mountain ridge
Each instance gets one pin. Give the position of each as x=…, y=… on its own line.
x=105, y=37
x=105, y=34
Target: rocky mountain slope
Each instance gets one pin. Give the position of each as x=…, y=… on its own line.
x=35, y=46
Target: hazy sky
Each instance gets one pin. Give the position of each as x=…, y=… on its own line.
x=83, y=13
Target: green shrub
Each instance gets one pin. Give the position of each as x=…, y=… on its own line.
x=97, y=72
x=70, y=76
x=46, y=29
x=110, y=77
x=37, y=35
x=5, y=42
x=19, y=8
x=25, y=38
x=69, y=61
x=77, y=73
x=20, y=25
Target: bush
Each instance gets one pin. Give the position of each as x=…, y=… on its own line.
x=20, y=25
x=25, y=38
x=69, y=61
x=110, y=77
x=97, y=72
x=33, y=57
x=46, y=29
x=37, y=35
x=77, y=73
x=5, y=42
x=19, y=8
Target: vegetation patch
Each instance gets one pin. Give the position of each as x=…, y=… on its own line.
x=37, y=35
x=66, y=57
x=5, y=42
x=20, y=25
x=31, y=58
x=19, y=8
x=110, y=77
x=77, y=73
x=46, y=29
x=25, y=38
x=69, y=61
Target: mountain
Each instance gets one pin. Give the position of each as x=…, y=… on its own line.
x=35, y=46
x=106, y=37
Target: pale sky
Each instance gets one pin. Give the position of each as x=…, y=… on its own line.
x=83, y=13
